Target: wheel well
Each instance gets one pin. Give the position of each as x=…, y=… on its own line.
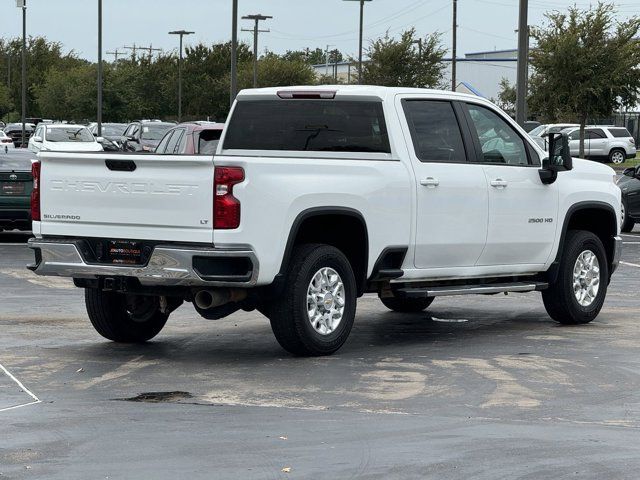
x=600, y=221
x=346, y=231
x=620, y=149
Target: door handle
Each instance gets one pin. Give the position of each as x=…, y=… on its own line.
x=430, y=182
x=499, y=183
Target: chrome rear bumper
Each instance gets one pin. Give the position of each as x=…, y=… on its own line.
x=168, y=265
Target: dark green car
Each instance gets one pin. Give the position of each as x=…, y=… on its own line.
x=16, y=184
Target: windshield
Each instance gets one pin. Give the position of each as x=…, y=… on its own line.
x=71, y=134
x=537, y=131
x=116, y=130
x=154, y=132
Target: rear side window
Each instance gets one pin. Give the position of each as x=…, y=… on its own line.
x=619, y=132
x=308, y=125
x=435, y=131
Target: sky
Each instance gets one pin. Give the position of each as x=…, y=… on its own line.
x=297, y=24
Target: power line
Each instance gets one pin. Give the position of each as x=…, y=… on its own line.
x=256, y=31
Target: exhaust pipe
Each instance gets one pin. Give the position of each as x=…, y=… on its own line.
x=208, y=299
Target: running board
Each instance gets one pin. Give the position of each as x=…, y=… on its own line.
x=425, y=292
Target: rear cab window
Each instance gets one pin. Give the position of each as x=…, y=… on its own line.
x=316, y=125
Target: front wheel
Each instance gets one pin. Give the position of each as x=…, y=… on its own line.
x=124, y=318
x=577, y=295
x=315, y=312
x=627, y=222
x=617, y=156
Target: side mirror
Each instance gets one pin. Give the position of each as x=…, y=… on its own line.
x=37, y=139
x=559, y=159
x=629, y=172
x=100, y=139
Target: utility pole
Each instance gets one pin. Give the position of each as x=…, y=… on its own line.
x=454, y=48
x=133, y=49
x=523, y=63
x=150, y=49
x=256, y=30
x=234, y=52
x=116, y=54
x=182, y=33
x=100, y=66
x=360, y=37
x=9, y=70
x=419, y=43
x=326, y=60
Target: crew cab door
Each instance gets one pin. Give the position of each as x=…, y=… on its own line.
x=522, y=210
x=451, y=193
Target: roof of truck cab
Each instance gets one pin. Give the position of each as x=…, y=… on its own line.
x=356, y=90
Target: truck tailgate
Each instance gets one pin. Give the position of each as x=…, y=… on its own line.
x=145, y=197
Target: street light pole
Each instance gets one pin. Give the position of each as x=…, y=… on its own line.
x=99, y=119
x=182, y=33
x=234, y=52
x=256, y=30
x=360, y=37
x=23, y=4
x=523, y=63
x=454, y=47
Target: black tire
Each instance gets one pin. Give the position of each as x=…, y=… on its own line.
x=615, y=155
x=559, y=299
x=288, y=314
x=122, y=318
x=627, y=222
x=406, y=305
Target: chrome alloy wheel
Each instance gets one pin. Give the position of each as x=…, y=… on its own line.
x=617, y=157
x=325, y=301
x=586, y=278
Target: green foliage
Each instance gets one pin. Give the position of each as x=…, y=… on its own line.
x=507, y=97
x=6, y=104
x=399, y=63
x=586, y=65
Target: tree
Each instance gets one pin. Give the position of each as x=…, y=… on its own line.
x=507, y=97
x=586, y=65
x=6, y=104
x=402, y=63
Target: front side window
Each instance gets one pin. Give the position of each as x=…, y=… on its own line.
x=175, y=138
x=308, y=125
x=162, y=146
x=498, y=140
x=575, y=135
x=435, y=131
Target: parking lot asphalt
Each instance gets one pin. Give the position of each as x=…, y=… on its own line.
x=476, y=388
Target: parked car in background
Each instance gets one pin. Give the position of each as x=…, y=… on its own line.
x=530, y=125
x=629, y=183
x=112, y=135
x=16, y=184
x=145, y=135
x=63, y=138
x=540, y=133
x=14, y=130
x=606, y=143
x=6, y=142
x=193, y=138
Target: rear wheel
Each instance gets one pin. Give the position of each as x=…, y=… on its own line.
x=617, y=156
x=627, y=222
x=577, y=295
x=315, y=312
x=406, y=305
x=124, y=318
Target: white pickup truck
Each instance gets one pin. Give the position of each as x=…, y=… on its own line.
x=317, y=195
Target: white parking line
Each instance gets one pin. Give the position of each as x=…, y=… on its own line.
x=23, y=244
x=24, y=389
x=630, y=264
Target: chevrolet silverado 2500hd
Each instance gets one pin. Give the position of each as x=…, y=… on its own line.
x=317, y=195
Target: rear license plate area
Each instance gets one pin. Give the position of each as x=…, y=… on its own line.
x=120, y=252
x=12, y=188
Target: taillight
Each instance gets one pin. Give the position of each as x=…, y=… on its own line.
x=35, y=193
x=226, y=207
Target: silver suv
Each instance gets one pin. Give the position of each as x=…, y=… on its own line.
x=612, y=144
